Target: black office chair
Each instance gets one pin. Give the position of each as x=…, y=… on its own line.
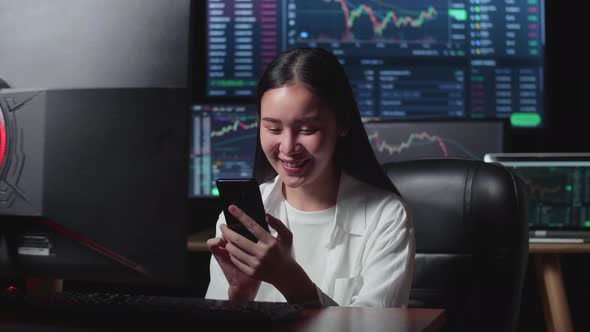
x=471, y=240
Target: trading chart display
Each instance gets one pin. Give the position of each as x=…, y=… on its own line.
x=558, y=193
x=399, y=141
x=223, y=145
x=406, y=59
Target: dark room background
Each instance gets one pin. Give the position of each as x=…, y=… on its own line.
x=140, y=43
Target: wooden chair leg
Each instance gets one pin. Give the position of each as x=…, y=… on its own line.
x=553, y=296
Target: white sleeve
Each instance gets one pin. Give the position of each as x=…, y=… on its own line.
x=218, y=284
x=388, y=262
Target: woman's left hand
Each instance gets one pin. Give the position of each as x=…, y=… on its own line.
x=270, y=259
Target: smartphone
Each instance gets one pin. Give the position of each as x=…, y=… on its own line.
x=245, y=194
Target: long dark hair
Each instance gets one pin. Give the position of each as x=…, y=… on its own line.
x=321, y=72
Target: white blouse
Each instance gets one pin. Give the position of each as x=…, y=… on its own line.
x=370, y=252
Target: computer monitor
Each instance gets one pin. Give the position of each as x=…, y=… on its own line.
x=407, y=140
x=93, y=184
x=223, y=145
x=558, y=189
x=406, y=60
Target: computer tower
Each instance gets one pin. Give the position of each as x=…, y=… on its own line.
x=94, y=182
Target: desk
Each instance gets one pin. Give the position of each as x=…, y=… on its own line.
x=197, y=242
x=313, y=320
x=370, y=319
x=546, y=258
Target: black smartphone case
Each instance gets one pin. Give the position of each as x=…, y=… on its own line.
x=245, y=194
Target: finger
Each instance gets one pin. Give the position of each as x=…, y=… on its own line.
x=221, y=255
x=241, y=265
x=238, y=240
x=283, y=233
x=225, y=262
x=216, y=251
x=260, y=233
x=241, y=255
x=216, y=242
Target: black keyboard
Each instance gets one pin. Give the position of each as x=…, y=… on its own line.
x=116, y=305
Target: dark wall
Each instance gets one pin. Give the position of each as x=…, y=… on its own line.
x=567, y=82
x=94, y=43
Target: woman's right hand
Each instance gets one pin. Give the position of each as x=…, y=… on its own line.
x=241, y=286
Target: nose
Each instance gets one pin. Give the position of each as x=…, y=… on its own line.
x=289, y=143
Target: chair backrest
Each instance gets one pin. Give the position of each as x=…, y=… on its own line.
x=470, y=219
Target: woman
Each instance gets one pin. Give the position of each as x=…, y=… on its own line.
x=340, y=234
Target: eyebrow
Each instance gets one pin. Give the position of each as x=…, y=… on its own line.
x=304, y=119
x=271, y=120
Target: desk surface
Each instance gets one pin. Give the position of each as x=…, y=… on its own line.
x=559, y=248
x=197, y=242
x=370, y=319
x=327, y=319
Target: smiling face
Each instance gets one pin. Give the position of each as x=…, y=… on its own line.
x=298, y=136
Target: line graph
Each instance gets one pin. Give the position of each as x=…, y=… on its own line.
x=382, y=146
x=540, y=190
x=372, y=21
x=390, y=17
x=234, y=127
x=233, y=140
x=407, y=140
x=549, y=184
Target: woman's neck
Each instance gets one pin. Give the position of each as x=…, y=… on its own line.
x=316, y=196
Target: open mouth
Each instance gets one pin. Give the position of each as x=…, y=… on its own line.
x=294, y=165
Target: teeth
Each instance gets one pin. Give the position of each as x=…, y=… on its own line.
x=293, y=165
